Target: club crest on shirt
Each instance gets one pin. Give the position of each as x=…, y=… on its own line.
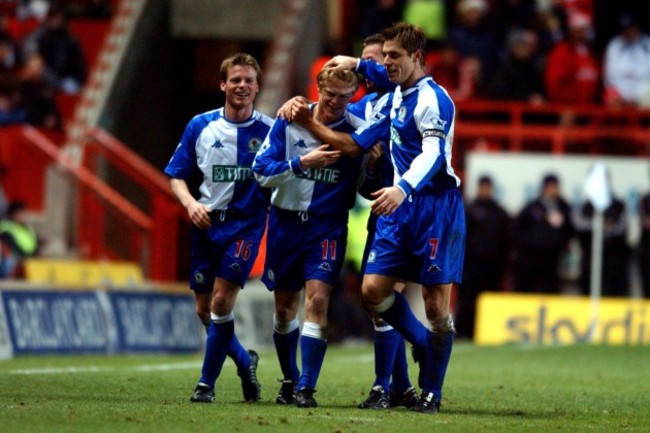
x=254, y=144
x=199, y=277
x=401, y=113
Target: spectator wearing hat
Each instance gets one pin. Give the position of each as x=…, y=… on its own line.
x=542, y=232
x=472, y=37
x=627, y=65
x=487, y=249
x=572, y=70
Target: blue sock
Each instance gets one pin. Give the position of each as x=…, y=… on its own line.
x=286, y=346
x=238, y=353
x=401, y=317
x=313, y=353
x=439, y=346
x=216, y=347
x=386, y=339
x=400, y=374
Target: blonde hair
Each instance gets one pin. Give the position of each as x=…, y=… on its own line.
x=347, y=76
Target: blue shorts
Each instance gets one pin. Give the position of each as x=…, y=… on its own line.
x=299, y=249
x=423, y=241
x=227, y=249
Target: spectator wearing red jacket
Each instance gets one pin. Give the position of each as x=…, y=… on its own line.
x=572, y=70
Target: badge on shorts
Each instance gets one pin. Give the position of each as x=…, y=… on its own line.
x=371, y=256
x=270, y=275
x=199, y=277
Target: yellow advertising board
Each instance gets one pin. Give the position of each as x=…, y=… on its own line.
x=508, y=318
x=82, y=273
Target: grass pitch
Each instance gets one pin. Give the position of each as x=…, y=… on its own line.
x=504, y=389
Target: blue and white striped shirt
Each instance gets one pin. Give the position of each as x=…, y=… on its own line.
x=327, y=190
x=421, y=134
x=223, y=152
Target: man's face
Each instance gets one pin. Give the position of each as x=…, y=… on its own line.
x=399, y=64
x=334, y=97
x=372, y=52
x=241, y=86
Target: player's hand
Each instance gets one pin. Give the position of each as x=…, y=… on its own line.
x=300, y=112
x=374, y=156
x=320, y=157
x=199, y=215
x=284, y=112
x=387, y=200
x=342, y=62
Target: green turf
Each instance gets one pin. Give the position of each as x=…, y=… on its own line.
x=504, y=389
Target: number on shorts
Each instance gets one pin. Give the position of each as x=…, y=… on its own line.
x=328, y=249
x=434, y=248
x=243, y=249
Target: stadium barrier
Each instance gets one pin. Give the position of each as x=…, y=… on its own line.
x=509, y=318
x=46, y=319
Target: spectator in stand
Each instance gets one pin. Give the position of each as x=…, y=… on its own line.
x=60, y=50
x=519, y=76
x=459, y=76
x=572, y=70
x=471, y=35
x=550, y=25
x=616, y=252
x=11, y=110
x=428, y=15
x=486, y=253
x=9, y=48
x=37, y=94
x=379, y=15
x=17, y=240
x=506, y=15
x=542, y=232
x=644, y=244
x=627, y=65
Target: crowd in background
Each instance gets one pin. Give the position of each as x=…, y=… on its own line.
x=558, y=51
x=46, y=61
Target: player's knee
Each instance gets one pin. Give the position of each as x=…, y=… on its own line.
x=317, y=305
x=371, y=296
x=285, y=313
